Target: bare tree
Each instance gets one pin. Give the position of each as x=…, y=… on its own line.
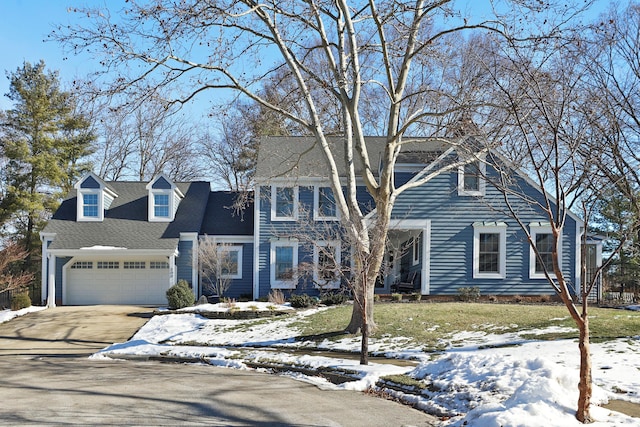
x=140, y=143
x=12, y=276
x=337, y=55
x=611, y=53
x=549, y=123
x=218, y=265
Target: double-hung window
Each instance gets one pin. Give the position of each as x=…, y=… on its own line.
x=324, y=204
x=161, y=205
x=542, y=237
x=284, y=203
x=489, y=250
x=326, y=258
x=230, y=261
x=90, y=205
x=471, y=180
x=284, y=262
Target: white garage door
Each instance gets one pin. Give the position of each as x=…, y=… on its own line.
x=143, y=282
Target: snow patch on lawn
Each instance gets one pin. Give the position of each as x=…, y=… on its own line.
x=482, y=379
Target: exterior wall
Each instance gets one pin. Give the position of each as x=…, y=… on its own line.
x=301, y=231
x=451, y=245
x=184, y=262
x=60, y=263
x=243, y=288
x=452, y=233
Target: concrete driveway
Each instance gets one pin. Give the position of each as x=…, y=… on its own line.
x=70, y=331
x=47, y=379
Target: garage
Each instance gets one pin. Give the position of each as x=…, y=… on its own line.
x=116, y=281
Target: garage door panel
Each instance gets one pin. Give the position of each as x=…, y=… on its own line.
x=116, y=286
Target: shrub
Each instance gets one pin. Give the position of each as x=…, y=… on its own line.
x=301, y=301
x=20, y=301
x=180, y=295
x=396, y=297
x=416, y=296
x=469, y=294
x=276, y=297
x=333, y=298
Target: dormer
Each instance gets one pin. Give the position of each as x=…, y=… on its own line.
x=164, y=198
x=93, y=198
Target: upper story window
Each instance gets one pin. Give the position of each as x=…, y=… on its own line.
x=93, y=198
x=161, y=205
x=542, y=238
x=489, y=250
x=90, y=205
x=284, y=203
x=471, y=180
x=324, y=204
x=164, y=198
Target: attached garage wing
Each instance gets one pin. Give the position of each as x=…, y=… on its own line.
x=116, y=281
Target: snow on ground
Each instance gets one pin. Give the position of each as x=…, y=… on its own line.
x=6, y=315
x=480, y=380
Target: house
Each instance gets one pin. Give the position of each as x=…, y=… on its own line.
x=128, y=242
x=452, y=232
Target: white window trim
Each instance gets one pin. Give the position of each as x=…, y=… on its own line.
x=283, y=284
x=80, y=202
x=335, y=284
x=228, y=248
x=294, y=216
x=152, y=205
x=317, y=216
x=482, y=166
x=534, y=230
x=500, y=229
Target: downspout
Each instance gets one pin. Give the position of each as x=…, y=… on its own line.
x=256, y=243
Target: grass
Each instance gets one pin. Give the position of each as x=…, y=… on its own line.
x=428, y=323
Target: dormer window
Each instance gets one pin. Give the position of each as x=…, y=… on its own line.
x=164, y=198
x=90, y=205
x=161, y=205
x=93, y=197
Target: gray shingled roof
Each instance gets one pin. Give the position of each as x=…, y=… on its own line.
x=302, y=157
x=221, y=219
x=125, y=223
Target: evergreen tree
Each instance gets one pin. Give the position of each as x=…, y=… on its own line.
x=617, y=215
x=43, y=141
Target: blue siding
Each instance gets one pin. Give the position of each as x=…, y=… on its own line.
x=60, y=263
x=161, y=184
x=451, y=240
x=282, y=230
x=452, y=217
x=243, y=287
x=184, y=261
x=90, y=182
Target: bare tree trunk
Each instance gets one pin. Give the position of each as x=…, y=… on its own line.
x=585, y=385
x=364, y=342
x=362, y=309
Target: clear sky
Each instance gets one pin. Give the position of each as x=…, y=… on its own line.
x=25, y=25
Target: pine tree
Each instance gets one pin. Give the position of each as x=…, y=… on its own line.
x=43, y=141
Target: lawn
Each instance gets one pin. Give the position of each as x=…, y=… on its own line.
x=469, y=361
x=428, y=323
